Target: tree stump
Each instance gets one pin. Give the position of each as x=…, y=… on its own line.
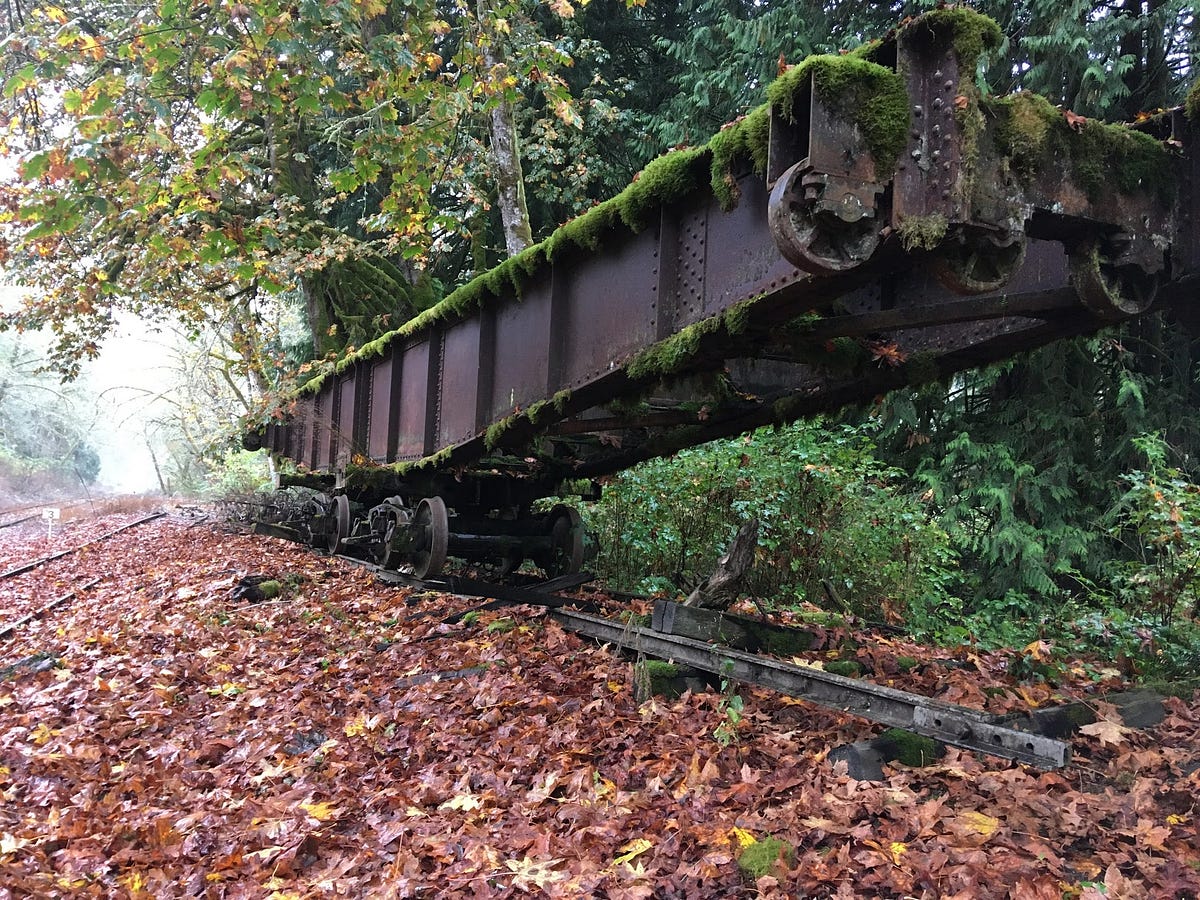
x=720, y=589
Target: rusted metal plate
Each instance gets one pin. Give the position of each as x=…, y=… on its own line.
x=522, y=358
x=456, y=420
x=928, y=176
x=836, y=146
x=379, y=408
x=607, y=312
x=343, y=439
x=740, y=259
x=414, y=400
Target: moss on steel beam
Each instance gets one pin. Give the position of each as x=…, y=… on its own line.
x=1037, y=137
x=872, y=96
x=970, y=33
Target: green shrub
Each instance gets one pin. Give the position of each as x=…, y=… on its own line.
x=829, y=510
x=237, y=474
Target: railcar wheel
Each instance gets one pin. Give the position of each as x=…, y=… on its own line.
x=339, y=530
x=972, y=261
x=386, y=551
x=823, y=224
x=566, y=542
x=431, y=537
x=1109, y=290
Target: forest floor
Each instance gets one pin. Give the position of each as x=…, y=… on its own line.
x=159, y=738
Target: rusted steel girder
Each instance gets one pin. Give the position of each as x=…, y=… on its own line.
x=1001, y=225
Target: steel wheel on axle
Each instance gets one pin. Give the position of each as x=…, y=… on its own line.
x=974, y=261
x=566, y=542
x=339, y=513
x=430, y=538
x=386, y=552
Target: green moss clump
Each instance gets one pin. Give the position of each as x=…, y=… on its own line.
x=922, y=232
x=664, y=180
x=907, y=663
x=268, y=590
x=1038, y=141
x=496, y=431
x=748, y=138
x=765, y=856
x=654, y=676
x=501, y=626
x=910, y=749
x=657, y=668
x=1023, y=122
x=540, y=412
x=670, y=356
x=970, y=33
x=471, y=618
x=1191, y=104
x=845, y=667
x=873, y=96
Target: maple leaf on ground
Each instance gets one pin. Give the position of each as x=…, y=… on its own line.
x=1107, y=730
x=529, y=873
x=973, y=828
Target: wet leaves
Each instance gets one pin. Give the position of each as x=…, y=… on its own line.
x=183, y=743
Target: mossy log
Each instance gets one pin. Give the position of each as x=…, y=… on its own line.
x=719, y=590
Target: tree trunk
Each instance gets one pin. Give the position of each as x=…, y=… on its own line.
x=506, y=155
x=720, y=589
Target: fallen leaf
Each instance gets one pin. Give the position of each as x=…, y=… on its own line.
x=529, y=873
x=636, y=847
x=322, y=811
x=1108, y=731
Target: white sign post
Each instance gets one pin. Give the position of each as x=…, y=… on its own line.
x=51, y=514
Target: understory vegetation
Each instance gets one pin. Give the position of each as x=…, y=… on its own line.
x=1071, y=517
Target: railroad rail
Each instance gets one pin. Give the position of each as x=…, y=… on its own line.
x=37, y=563
x=952, y=724
x=877, y=224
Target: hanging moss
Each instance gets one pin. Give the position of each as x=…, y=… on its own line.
x=922, y=232
x=748, y=139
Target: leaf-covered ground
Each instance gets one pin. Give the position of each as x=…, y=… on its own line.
x=159, y=738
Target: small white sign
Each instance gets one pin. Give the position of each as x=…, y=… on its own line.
x=50, y=515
